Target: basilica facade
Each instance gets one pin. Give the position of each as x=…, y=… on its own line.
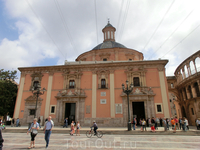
x=91, y=87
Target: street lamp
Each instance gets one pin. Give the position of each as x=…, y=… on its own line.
x=36, y=90
x=128, y=91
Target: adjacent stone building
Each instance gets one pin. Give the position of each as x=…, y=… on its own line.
x=185, y=86
x=91, y=87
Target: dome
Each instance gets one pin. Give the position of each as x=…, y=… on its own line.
x=108, y=44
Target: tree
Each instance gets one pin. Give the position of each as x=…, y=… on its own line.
x=8, y=92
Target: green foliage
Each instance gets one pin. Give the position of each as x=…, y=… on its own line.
x=8, y=92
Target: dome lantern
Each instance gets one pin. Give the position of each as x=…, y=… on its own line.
x=109, y=32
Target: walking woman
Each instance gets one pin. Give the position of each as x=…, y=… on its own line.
x=34, y=130
x=72, y=128
x=78, y=126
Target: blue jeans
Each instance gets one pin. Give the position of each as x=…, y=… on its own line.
x=17, y=124
x=47, y=137
x=134, y=127
x=65, y=125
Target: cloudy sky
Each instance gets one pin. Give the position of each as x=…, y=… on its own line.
x=48, y=32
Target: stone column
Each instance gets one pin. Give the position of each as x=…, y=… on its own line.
x=188, y=93
x=112, y=95
x=163, y=93
x=193, y=91
x=188, y=69
x=94, y=88
x=194, y=66
x=19, y=96
x=48, y=98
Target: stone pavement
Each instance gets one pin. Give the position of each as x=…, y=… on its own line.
x=110, y=131
x=20, y=141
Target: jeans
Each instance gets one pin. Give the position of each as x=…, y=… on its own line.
x=65, y=125
x=47, y=137
x=134, y=127
x=95, y=130
x=39, y=125
x=17, y=124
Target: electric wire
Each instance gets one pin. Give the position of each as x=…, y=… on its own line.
x=45, y=28
x=96, y=21
x=182, y=40
x=124, y=19
x=65, y=24
x=159, y=24
x=122, y=3
x=172, y=33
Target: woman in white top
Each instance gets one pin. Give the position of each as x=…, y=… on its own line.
x=187, y=125
x=78, y=128
x=34, y=127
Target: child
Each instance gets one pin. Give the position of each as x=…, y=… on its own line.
x=153, y=128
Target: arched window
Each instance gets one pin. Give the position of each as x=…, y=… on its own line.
x=111, y=35
x=35, y=84
x=71, y=84
x=108, y=34
x=103, y=83
x=136, y=81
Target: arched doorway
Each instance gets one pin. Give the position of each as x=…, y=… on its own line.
x=183, y=111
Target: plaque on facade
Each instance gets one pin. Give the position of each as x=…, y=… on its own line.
x=103, y=101
x=103, y=93
x=88, y=109
x=118, y=108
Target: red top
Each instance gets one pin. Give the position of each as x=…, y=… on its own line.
x=176, y=120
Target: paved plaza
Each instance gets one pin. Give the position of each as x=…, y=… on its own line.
x=20, y=141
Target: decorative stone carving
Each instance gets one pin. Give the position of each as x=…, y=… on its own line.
x=104, y=55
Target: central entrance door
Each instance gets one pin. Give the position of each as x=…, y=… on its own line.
x=138, y=111
x=70, y=109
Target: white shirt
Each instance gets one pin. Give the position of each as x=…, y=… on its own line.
x=186, y=122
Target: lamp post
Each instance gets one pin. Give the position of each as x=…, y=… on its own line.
x=128, y=91
x=36, y=90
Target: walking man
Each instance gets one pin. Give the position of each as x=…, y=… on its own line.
x=17, y=122
x=47, y=130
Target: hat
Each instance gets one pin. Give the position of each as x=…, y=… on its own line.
x=35, y=119
x=93, y=120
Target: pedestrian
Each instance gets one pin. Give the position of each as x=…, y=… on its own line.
x=173, y=122
x=133, y=122
x=197, y=123
x=39, y=120
x=161, y=122
x=157, y=121
x=72, y=128
x=0, y=122
x=153, y=128
x=78, y=126
x=186, y=124
x=180, y=123
x=176, y=120
x=65, y=123
x=13, y=122
x=1, y=138
x=17, y=122
x=47, y=130
x=144, y=125
x=167, y=121
x=34, y=130
x=147, y=121
x=165, y=124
